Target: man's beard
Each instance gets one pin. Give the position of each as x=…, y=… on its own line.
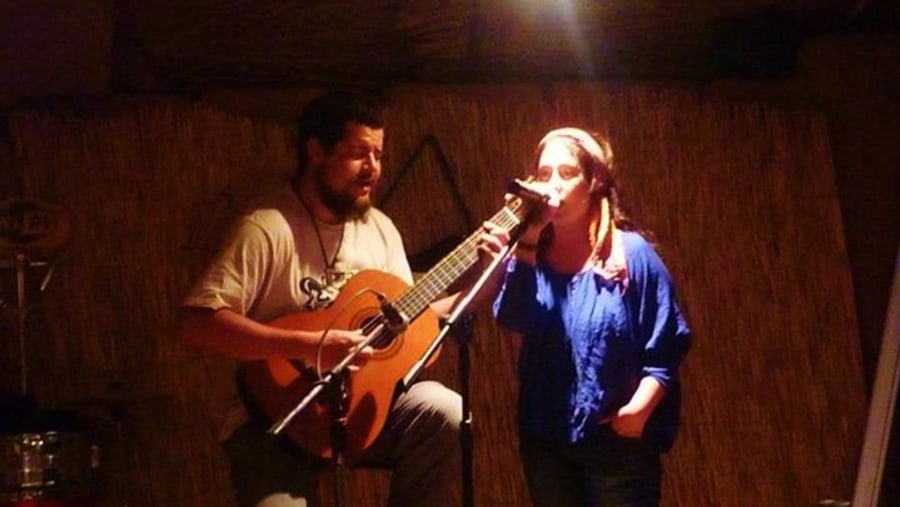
x=342, y=204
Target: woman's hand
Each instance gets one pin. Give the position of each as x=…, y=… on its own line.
x=628, y=422
x=630, y=419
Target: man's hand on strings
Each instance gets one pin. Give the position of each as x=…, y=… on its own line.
x=339, y=343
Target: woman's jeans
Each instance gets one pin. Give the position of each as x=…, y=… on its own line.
x=605, y=470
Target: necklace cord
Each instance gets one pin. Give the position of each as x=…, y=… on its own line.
x=329, y=265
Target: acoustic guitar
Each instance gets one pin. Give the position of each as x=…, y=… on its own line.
x=276, y=386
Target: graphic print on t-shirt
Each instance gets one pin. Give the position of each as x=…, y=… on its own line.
x=322, y=293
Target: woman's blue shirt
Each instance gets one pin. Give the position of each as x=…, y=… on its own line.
x=588, y=341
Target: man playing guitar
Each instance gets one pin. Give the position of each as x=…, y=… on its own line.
x=265, y=298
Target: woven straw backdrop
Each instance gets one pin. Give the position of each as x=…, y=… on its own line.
x=740, y=197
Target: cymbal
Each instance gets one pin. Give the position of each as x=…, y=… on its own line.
x=116, y=397
x=29, y=225
x=112, y=400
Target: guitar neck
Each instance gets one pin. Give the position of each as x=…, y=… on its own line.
x=412, y=302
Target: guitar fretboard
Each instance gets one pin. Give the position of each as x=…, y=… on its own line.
x=415, y=299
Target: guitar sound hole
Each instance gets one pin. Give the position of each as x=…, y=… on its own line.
x=385, y=338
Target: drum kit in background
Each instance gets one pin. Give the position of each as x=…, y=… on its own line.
x=47, y=460
x=46, y=457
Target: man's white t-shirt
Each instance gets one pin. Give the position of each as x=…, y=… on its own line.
x=276, y=262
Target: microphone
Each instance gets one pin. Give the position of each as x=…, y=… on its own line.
x=526, y=191
x=397, y=321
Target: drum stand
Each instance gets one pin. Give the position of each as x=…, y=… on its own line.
x=21, y=312
x=41, y=453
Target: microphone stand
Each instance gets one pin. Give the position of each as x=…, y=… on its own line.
x=339, y=399
x=337, y=373
x=336, y=382
x=459, y=322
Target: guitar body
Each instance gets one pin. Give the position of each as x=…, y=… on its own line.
x=276, y=386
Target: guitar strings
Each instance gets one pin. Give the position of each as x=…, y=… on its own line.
x=451, y=267
x=367, y=328
x=506, y=217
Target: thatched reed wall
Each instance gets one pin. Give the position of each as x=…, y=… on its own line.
x=741, y=199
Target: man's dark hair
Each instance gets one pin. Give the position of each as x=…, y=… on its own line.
x=326, y=117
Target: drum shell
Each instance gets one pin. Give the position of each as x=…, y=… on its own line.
x=46, y=468
x=41, y=501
